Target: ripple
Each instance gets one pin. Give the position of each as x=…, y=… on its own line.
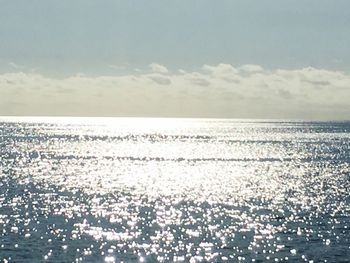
x=202, y=191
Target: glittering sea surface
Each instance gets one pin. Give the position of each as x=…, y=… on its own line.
x=149, y=190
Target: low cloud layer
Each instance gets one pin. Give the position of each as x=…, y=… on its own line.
x=224, y=91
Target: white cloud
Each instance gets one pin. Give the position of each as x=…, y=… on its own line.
x=221, y=69
x=214, y=91
x=157, y=68
x=160, y=79
x=251, y=68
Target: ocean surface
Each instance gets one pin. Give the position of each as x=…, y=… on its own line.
x=165, y=190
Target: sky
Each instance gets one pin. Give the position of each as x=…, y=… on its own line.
x=157, y=58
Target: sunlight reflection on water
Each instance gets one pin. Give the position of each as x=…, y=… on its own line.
x=137, y=190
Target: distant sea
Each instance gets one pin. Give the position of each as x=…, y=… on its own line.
x=165, y=190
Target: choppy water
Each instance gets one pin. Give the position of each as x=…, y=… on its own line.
x=147, y=190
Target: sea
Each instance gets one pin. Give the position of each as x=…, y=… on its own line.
x=173, y=190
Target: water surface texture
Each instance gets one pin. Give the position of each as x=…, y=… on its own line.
x=148, y=190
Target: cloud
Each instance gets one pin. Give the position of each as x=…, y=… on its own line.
x=213, y=91
x=157, y=68
x=285, y=94
x=198, y=79
x=251, y=68
x=160, y=80
x=200, y=82
x=319, y=82
x=221, y=69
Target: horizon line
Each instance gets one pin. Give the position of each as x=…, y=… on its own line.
x=171, y=117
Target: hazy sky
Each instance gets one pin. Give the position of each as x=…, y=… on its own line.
x=255, y=59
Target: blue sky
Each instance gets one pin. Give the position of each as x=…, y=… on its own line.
x=183, y=58
x=63, y=37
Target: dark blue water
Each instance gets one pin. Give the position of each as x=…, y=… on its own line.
x=148, y=190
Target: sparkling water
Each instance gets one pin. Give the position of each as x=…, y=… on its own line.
x=164, y=190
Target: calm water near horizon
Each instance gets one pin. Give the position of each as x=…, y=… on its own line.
x=164, y=190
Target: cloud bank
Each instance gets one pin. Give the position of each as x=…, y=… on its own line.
x=223, y=91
